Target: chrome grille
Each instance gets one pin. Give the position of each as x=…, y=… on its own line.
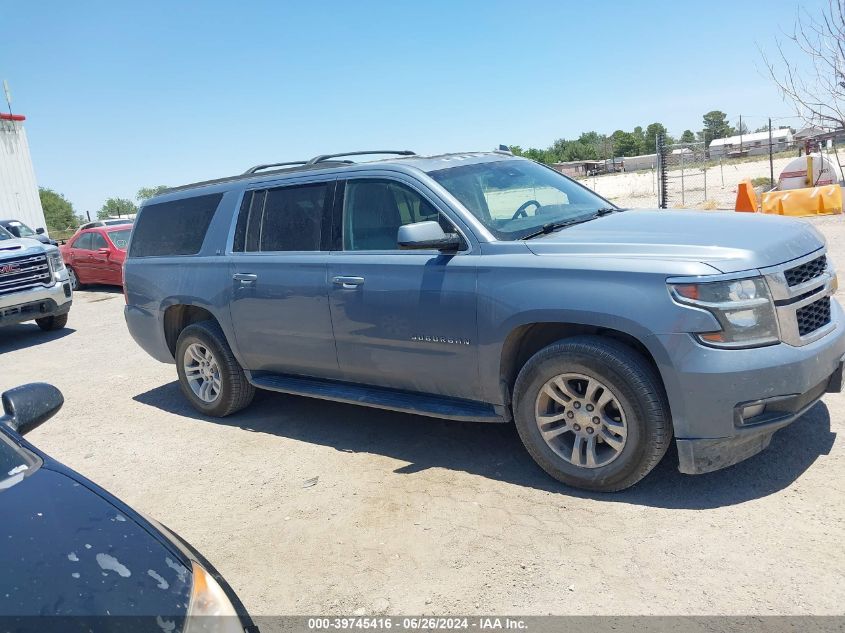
x=20, y=273
x=805, y=272
x=812, y=317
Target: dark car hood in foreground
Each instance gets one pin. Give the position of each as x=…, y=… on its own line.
x=729, y=242
x=65, y=550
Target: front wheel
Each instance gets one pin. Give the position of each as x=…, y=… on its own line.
x=592, y=413
x=209, y=375
x=52, y=322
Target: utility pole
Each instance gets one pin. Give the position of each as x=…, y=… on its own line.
x=771, y=160
x=740, y=135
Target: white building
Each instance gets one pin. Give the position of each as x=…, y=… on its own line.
x=18, y=189
x=754, y=144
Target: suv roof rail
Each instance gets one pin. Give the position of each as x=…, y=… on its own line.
x=257, y=168
x=324, y=157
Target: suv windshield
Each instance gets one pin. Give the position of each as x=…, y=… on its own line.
x=20, y=228
x=515, y=198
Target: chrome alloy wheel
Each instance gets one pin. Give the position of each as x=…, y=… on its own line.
x=202, y=372
x=581, y=420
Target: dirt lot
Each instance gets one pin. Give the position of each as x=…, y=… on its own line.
x=414, y=515
x=639, y=189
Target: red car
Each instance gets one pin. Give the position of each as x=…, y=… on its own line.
x=95, y=255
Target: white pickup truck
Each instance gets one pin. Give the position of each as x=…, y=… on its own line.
x=34, y=283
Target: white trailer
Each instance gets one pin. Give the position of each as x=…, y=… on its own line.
x=18, y=188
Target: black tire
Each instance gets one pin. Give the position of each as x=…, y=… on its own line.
x=236, y=391
x=52, y=322
x=640, y=396
x=74, y=279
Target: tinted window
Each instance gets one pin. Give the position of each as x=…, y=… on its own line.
x=173, y=228
x=373, y=211
x=282, y=219
x=120, y=238
x=98, y=241
x=83, y=242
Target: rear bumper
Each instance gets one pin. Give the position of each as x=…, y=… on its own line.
x=148, y=332
x=35, y=304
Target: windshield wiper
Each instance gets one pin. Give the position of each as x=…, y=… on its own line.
x=554, y=226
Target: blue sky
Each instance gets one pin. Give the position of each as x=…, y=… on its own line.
x=120, y=95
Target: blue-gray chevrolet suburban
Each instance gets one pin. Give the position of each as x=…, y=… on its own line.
x=487, y=287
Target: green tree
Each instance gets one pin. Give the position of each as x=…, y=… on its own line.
x=624, y=143
x=639, y=137
x=516, y=150
x=576, y=150
x=536, y=154
x=116, y=207
x=145, y=193
x=58, y=211
x=716, y=126
x=688, y=137
x=651, y=133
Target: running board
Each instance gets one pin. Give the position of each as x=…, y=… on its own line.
x=380, y=398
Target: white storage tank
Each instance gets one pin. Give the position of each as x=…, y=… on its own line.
x=18, y=188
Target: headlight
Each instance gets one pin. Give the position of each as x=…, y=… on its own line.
x=743, y=308
x=56, y=262
x=210, y=611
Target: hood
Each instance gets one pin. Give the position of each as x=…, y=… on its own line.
x=65, y=550
x=729, y=242
x=20, y=246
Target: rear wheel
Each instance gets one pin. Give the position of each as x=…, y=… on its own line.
x=74, y=280
x=52, y=322
x=592, y=413
x=209, y=375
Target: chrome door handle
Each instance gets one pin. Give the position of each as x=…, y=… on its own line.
x=348, y=283
x=245, y=279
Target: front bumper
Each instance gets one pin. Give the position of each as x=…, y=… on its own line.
x=707, y=389
x=37, y=303
x=698, y=456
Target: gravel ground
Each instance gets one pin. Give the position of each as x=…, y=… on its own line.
x=415, y=515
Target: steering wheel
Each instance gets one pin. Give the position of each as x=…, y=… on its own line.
x=521, y=211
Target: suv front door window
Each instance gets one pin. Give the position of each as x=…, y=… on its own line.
x=402, y=319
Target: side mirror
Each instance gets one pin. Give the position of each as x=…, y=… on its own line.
x=27, y=407
x=40, y=230
x=427, y=235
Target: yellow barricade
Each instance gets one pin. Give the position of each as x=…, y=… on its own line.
x=824, y=200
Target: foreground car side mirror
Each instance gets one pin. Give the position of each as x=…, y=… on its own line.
x=40, y=230
x=427, y=235
x=27, y=407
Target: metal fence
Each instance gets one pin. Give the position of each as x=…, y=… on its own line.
x=682, y=174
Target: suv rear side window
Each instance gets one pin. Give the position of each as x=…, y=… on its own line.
x=282, y=219
x=173, y=228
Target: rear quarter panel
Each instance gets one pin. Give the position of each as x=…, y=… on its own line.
x=153, y=284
